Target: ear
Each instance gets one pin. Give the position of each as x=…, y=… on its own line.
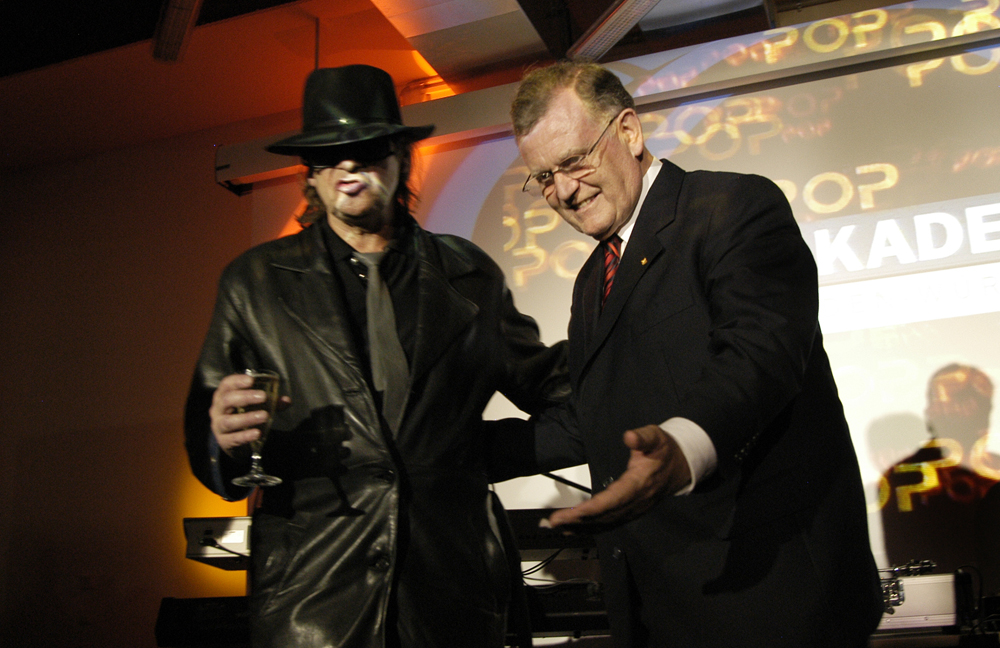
x=631, y=129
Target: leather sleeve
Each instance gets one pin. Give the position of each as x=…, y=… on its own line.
x=547, y=441
x=226, y=350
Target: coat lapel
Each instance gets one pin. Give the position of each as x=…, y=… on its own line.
x=443, y=313
x=308, y=292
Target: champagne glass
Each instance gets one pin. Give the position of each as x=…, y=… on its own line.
x=267, y=382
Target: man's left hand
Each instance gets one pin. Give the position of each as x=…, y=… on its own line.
x=656, y=468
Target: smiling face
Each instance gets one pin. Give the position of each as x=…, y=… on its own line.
x=599, y=203
x=358, y=195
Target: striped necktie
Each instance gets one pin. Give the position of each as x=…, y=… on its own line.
x=612, y=255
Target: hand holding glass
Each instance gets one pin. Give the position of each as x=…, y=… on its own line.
x=267, y=382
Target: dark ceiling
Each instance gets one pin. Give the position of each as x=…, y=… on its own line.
x=77, y=78
x=36, y=34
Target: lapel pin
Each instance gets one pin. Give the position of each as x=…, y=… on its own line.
x=643, y=262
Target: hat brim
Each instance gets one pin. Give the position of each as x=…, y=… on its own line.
x=305, y=142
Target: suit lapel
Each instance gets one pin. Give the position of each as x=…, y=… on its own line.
x=642, y=252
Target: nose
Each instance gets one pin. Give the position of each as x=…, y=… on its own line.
x=565, y=187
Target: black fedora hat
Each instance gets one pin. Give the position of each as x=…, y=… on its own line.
x=348, y=104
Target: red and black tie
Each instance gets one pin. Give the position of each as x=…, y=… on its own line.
x=612, y=255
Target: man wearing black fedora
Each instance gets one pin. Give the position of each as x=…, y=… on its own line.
x=389, y=342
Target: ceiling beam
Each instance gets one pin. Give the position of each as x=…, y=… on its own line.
x=177, y=19
x=609, y=29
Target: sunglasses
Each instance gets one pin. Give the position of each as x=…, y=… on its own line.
x=364, y=153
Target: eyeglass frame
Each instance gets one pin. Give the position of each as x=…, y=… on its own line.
x=565, y=167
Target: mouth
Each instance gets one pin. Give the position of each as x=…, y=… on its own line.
x=351, y=187
x=583, y=204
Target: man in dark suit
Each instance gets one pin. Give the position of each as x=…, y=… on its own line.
x=733, y=513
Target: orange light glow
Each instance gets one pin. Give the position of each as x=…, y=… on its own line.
x=197, y=501
x=292, y=226
x=422, y=63
x=427, y=89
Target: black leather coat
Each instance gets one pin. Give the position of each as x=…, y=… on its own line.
x=369, y=534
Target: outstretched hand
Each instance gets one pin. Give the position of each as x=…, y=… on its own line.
x=656, y=468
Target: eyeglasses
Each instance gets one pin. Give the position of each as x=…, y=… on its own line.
x=575, y=167
x=365, y=153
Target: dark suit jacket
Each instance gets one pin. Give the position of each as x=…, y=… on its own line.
x=713, y=316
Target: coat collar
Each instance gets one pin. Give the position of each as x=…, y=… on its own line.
x=309, y=292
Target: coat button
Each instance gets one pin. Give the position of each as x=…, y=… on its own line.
x=607, y=482
x=380, y=562
x=617, y=553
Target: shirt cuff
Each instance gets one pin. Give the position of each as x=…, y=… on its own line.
x=697, y=448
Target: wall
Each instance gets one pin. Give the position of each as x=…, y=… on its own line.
x=108, y=280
